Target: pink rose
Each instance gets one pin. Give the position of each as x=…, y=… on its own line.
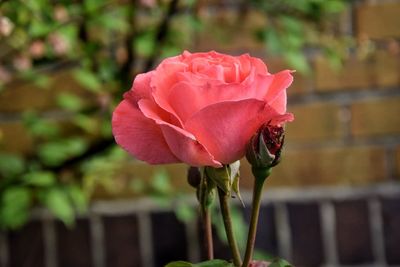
x=200, y=108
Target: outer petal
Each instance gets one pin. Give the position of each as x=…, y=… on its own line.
x=181, y=142
x=140, y=136
x=225, y=128
x=140, y=88
x=276, y=95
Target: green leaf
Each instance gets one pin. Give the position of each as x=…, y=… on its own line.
x=78, y=198
x=40, y=178
x=88, y=123
x=144, y=44
x=280, y=263
x=14, y=206
x=210, y=263
x=160, y=182
x=87, y=79
x=38, y=126
x=55, y=152
x=11, y=165
x=57, y=201
x=70, y=101
x=185, y=212
x=298, y=61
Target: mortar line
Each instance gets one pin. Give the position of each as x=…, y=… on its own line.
x=4, y=257
x=283, y=230
x=145, y=239
x=97, y=240
x=328, y=225
x=50, y=241
x=376, y=228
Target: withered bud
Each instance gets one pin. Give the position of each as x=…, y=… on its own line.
x=264, y=149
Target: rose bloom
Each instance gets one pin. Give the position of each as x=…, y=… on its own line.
x=201, y=109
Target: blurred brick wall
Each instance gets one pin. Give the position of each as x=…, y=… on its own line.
x=347, y=127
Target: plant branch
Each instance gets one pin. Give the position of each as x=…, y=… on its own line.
x=208, y=236
x=162, y=33
x=226, y=215
x=255, y=211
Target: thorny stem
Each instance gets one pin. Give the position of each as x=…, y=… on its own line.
x=226, y=215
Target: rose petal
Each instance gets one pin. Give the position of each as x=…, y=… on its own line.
x=164, y=80
x=276, y=95
x=182, y=143
x=200, y=96
x=187, y=148
x=140, y=88
x=140, y=136
x=225, y=128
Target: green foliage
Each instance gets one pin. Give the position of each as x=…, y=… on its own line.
x=280, y=263
x=56, y=152
x=298, y=25
x=211, y=263
x=11, y=165
x=15, y=202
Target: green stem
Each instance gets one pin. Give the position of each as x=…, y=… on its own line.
x=208, y=237
x=226, y=215
x=251, y=238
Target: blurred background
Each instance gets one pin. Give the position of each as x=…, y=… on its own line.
x=70, y=197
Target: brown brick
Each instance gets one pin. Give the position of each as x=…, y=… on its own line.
x=354, y=74
x=382, y=69
x=315, y=122
x=376, y=117
x=379, y=20
x=398, y=162
x=327, y=166
x=225, y=32
x=24, y=95
x=15, y=138
x=387, y=69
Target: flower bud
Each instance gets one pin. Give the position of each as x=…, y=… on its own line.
x=264, y=149
x=194, y=176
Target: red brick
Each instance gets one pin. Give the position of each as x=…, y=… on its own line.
x=354, y=74
x=376, y=117
x=224, y=31
x=387, y=69
x=327, y=166
x=380, y=70
x=379, y=20
x=23, y=95
x=15, y=138
x=315, y=122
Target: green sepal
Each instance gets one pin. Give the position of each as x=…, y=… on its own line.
x=224, y=177
x=210, y=263
x=261, y=173
x=265, y=158
x=221, y=177
x=205, y=191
